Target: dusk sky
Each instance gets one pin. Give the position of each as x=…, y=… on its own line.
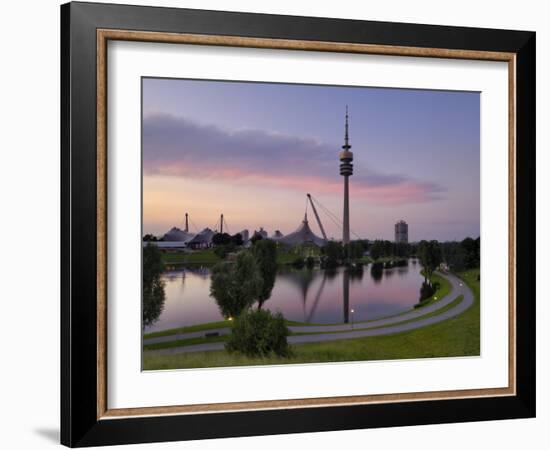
x=253, y=150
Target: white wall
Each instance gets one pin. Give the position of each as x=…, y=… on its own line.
x=29, y=190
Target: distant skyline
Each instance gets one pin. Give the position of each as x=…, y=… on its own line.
x=253, y=150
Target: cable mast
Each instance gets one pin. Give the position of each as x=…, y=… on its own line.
x=317, y=217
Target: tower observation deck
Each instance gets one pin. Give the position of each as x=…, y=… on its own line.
x=346, y=170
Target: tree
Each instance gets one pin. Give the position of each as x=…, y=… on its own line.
x=259, y=333
x=454, y=255
x=376, y=250
x=152, y=264
x=265, y=254
x=333, y=253
x=429, y=253
x=401, y=249
x=471, y=249
x=387, y=248
x=221, y=239
x=150, y=238
x=256, y=237
x=237, y=239
x=236, y=286
x=354, y=250
x=426, y=291
x=153, y=286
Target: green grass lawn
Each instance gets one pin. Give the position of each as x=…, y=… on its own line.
x=284, y=258
x=205, y=327
x=209, y=257
x=458, y=336
x=199, y=256
x=189, y=329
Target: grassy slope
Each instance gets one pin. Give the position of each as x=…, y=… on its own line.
x=189, y=329
x=458, y=336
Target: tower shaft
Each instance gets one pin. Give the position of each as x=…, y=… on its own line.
x=345, y=237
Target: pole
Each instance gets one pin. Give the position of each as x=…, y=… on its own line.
x=221, y=224
x=317, y=217
x=186, y=223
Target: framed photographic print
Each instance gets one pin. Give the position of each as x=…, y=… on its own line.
x=277, y=224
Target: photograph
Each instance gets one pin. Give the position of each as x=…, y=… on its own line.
x=295, y=223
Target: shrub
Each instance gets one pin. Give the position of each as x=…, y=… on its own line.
x=259, y=333
x=310, y=262
x=426, y=291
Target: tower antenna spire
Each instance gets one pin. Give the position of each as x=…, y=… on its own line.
x=346, y=145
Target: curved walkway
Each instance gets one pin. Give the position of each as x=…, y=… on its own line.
x=390, y=325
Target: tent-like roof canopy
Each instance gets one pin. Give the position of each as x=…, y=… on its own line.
x=177, y=235
x=204, y=237
x=302, y=235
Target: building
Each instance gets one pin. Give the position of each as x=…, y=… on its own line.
x=302, y=235
x=244, y=234
x=260, y=234
x=177, y=235
x=401, y=232
x=201, y=240
x=277, y=235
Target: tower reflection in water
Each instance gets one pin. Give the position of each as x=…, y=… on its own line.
x=305, y=278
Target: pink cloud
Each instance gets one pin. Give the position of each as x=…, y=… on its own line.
x=181, y=148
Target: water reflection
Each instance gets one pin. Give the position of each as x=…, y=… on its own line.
x=153, y=302
x=305, y=295
x=356, y=274
x=376, y=272
x=345, y=290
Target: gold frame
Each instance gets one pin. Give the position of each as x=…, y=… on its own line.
x=104, y=35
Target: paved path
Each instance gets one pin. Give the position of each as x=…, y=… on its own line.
x=390, y=325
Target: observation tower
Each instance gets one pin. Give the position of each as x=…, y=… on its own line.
x=346, y=170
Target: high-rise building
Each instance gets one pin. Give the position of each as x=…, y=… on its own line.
x=401, y=232
x=346, y=170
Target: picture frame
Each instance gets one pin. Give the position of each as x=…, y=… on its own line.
x=86, y=418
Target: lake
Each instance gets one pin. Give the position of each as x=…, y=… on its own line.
x=305, y=295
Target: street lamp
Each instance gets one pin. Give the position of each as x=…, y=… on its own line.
x=352, y=311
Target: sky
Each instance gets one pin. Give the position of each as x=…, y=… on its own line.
x=252, y=151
